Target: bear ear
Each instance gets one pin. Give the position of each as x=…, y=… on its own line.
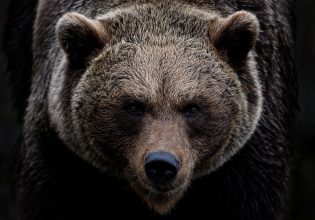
x=235, y=35
x=81, y=37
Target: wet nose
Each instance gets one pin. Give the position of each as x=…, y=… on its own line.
x=161, y=167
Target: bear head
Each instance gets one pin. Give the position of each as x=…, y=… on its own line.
x=156, y=95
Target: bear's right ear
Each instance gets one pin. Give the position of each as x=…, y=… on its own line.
x=81, y=37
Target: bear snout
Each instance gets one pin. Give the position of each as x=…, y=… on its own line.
x=161, y=168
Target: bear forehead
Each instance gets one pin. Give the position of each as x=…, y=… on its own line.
x=153, y=72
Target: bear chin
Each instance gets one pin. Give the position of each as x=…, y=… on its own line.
x=160, y=202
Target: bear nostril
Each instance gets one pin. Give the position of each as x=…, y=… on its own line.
x=161, y=167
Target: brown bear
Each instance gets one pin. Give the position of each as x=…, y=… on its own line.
x=155, y=109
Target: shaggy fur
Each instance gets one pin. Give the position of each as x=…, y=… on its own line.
x=115, y=81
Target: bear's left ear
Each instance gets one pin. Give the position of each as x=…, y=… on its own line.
x=235, y=35
x=81, y=37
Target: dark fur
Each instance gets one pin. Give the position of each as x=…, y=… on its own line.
x=53, y=183
x=18, y=37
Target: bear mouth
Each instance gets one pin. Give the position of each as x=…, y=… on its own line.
x=161, y=201
x=149, y=189
x=160, y=189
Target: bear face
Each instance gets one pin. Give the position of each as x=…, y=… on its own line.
x=153, y=99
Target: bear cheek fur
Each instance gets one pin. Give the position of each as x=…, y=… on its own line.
x=101, y=123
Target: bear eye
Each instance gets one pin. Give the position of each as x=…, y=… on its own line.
x=191, y=110
x=134, y=108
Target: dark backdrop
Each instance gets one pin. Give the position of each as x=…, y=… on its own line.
x=303, y=207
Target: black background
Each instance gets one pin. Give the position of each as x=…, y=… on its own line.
x=303, y=207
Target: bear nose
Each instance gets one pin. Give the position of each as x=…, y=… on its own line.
x=161, y=167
